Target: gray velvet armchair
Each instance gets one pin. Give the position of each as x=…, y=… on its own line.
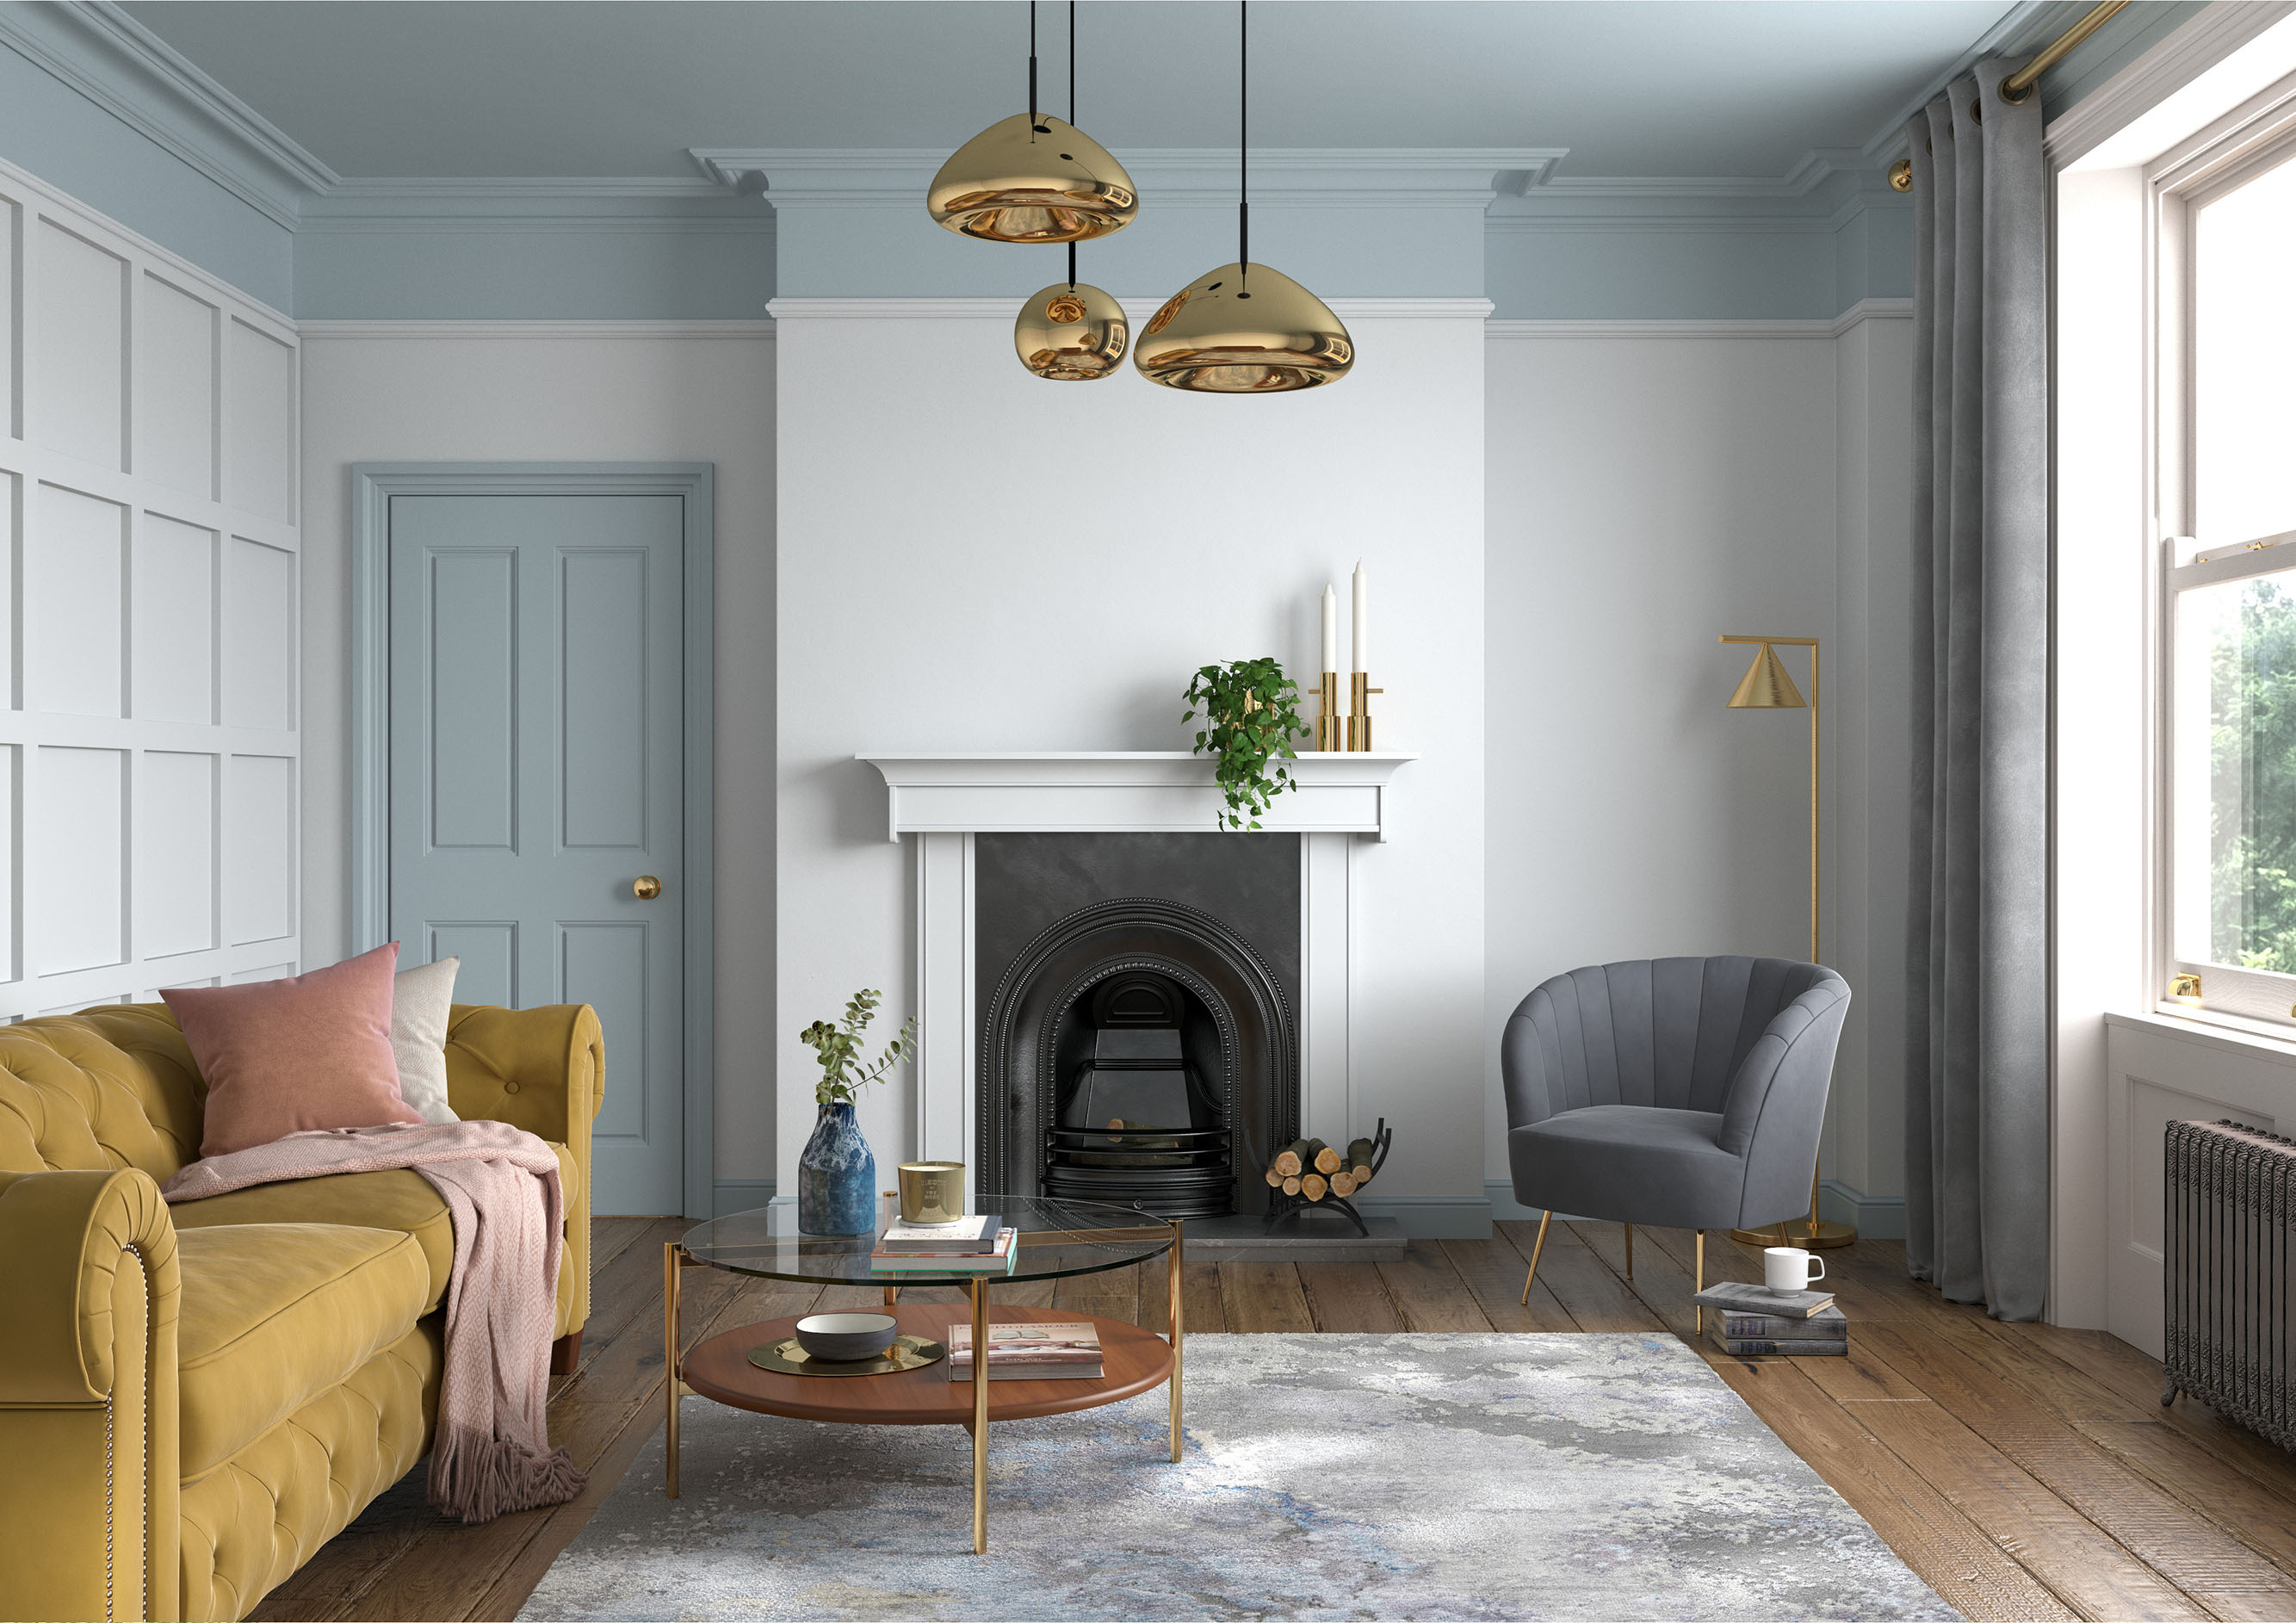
x=1686, y=1091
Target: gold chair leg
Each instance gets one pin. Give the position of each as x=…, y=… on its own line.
x=1631, y=1253
x=1536, y=1246
x=1698, y=1310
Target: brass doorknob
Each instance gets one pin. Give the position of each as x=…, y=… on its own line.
x=647, y=887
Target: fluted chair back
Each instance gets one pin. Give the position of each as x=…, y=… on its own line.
x=1750, y=1040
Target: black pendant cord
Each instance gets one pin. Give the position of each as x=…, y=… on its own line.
x=1032, y=68
x=1072, y=124
x=1244, y=153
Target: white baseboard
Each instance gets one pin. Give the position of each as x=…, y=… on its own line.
x=733, y=1195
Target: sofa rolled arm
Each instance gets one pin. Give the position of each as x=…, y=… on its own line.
x=543, y=1070
x=88, y=1406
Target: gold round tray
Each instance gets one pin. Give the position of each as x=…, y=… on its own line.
x=907, y=1352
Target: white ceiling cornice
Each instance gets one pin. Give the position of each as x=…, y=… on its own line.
x=1139, y=309
x=121, y=66
x=878, y=177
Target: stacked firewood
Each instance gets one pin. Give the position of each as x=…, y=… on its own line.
x=1312, y=1168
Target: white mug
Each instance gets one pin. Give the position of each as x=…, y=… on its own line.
x=1788, y=1268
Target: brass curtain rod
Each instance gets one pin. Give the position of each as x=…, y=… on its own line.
x=2020, y=85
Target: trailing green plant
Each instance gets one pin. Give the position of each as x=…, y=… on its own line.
x=838, y=1048
x=1251, y=714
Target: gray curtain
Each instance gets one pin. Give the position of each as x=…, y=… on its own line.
x=1977, y=1096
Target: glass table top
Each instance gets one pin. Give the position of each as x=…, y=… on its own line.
x=1056, y=1239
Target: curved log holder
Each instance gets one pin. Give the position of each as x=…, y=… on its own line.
x=1281, y=1205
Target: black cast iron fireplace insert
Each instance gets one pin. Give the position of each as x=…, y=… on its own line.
x=1138, y=1052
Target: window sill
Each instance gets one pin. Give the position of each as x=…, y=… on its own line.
x=2228, y=1033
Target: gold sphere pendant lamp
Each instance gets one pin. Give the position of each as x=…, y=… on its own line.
x=1243, y=329
x=1071, y=331
x=1033, y=177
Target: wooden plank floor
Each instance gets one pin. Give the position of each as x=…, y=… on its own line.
x=2025, y=1471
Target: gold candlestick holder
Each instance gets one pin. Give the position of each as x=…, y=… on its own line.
x=1360, y=691
x=1331, y=727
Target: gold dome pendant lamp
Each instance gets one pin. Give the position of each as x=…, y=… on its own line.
x=1032, y=178
x=1071, y=331
x=1243, y=329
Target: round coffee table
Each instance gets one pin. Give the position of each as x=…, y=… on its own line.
x=1056, y=1239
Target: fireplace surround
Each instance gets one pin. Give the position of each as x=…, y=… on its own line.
x=940, y=805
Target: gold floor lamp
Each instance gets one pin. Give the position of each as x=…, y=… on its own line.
x=1769, y=686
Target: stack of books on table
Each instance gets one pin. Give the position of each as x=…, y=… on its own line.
x=1029, y=1352
x=970, y=1245
x=1754, y=1322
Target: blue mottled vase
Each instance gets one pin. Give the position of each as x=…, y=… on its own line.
x=836, y=1177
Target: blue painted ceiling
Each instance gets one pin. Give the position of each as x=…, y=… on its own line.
x=1632, y=88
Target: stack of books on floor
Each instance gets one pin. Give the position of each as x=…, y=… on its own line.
x=970, y=1245
x=1029, y=1352
x=1755, y=1321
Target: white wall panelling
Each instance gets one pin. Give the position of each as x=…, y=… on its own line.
x=146, y=509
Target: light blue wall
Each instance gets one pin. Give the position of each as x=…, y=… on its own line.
x=630, y=270
x=51, y=130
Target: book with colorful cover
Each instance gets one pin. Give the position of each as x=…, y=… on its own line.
x=1004, y=1259
x=1033, y=1351
x=1827, y=1324
x=976, y=1234
x=1733, y=1296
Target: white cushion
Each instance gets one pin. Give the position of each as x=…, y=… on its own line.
x=419, y=999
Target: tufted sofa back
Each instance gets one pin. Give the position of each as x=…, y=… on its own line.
x=116, y=1086
x=1667, y=1032
x=113, y=1087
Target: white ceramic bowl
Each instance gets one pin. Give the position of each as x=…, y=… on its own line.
x=842, y=1337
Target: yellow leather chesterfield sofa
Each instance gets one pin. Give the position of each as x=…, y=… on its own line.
x=193, y=1399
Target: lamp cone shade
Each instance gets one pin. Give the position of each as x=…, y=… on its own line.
x=1230, y=333
x=1767, y=685
x=1048, y=181
x=1068, y=334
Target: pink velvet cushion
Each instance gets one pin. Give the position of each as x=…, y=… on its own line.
x=285, y=1056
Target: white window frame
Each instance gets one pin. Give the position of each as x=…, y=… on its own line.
x=2258, y=136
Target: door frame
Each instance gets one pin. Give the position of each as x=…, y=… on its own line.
x=373, y=484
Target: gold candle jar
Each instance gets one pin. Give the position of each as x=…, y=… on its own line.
x=932, y=1192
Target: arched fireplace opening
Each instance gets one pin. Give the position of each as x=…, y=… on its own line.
x=1138, y=1052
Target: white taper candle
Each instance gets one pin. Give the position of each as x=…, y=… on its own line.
x=1363, y=617
x=1331, y=629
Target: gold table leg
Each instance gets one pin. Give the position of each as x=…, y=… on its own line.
x=671, y=1384
x=1177, y=1336
x=979, y=1416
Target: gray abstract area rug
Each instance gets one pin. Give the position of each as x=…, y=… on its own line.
x=1357, y=1477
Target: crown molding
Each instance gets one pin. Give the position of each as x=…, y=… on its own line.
x=672, y=204
x=1138, y=309
x=1637, y=223
x=2021, y=28
x=112, y=59
x=2168, y=67
x=464, y=331
x=1377, y=176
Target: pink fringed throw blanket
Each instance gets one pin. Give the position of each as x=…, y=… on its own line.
x=492, y=1453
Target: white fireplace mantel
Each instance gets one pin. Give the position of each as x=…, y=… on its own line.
x=1138, y=791
x=1339, y=800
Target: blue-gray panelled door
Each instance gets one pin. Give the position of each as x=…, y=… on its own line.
x=536, y=780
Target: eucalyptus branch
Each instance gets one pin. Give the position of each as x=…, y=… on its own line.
x=838, y=1047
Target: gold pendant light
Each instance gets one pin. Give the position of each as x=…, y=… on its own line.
x=1243, y=329
x=1072, y=333
x=1032, y=178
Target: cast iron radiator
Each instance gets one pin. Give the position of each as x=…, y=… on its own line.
x=2228, y=1280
